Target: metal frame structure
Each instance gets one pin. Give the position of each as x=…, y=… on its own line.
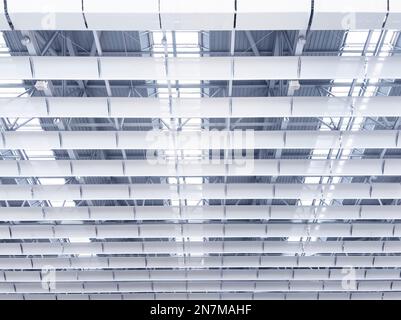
x=316, y=204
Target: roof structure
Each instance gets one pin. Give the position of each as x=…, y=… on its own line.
x=171, y=149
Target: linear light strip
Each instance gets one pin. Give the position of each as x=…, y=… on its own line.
x=188, y=230
x=242, y=107
x=196, y=69
x=205, y=140
x=198, y=247
x=217, y=212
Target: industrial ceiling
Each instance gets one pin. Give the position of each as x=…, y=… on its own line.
x=185, y=149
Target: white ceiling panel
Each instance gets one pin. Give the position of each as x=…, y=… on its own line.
x=349, y=14
x=122, y=15
x=46, y=14
x=273, y=15
x=195, y=15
